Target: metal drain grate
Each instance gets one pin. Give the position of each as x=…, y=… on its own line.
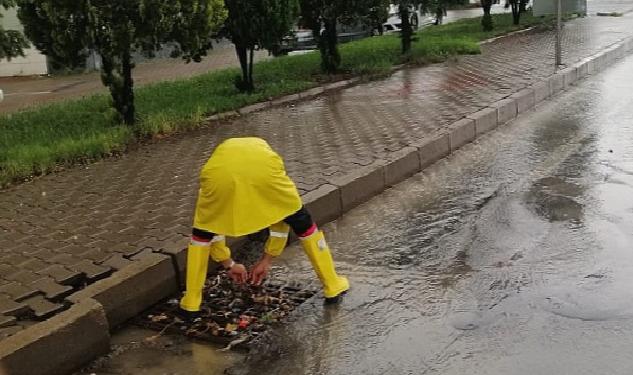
x=230, y=314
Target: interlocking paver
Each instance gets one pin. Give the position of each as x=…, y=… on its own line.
x=93, y=221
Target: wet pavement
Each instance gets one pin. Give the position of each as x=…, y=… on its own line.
x=66, y=230
x=512, y=256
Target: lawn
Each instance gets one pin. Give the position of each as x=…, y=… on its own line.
x=36, y=141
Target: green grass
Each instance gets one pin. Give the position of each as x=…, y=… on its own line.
x=36, y=141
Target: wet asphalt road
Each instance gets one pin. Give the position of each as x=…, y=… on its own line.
x=513, y=256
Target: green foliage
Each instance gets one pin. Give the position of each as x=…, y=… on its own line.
x=66, y=29
x=323, y=18
x=258, y=24
x=12, y=42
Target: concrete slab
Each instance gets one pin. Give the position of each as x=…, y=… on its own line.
x=324, y=203
x=361, y=184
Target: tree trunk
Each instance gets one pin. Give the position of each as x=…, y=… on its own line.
x=244, y=83
x=116, y=75
x=251, y=82
x=516, y=11
x=486, y=20
x=128, y=109
x=407, y=31
x=328, y=46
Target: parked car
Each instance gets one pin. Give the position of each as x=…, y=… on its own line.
x=303, y=40
x=1, y=95
x=394, y=23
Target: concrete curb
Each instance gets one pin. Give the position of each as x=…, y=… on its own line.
x=83, y=330
x=58, y=345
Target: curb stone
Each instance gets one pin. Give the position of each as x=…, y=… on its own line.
x=131, y=290
x=59, y=345
x=83, y=330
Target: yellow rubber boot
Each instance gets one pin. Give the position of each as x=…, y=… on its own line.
x=321, y=258
x=197, y=265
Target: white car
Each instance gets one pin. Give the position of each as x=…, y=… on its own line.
x=1, y=95
x=394, y=23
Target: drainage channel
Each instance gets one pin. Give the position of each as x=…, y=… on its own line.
x=231, y=315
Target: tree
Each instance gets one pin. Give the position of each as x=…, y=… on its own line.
x=12, y=42
x=323, y=18
x=486, y=20
x=518, y=7
x=405, y=7
x=255, y=24
x=68, y=29
x=378, y=15
x=438, y=8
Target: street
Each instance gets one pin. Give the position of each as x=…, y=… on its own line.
x=510, y=257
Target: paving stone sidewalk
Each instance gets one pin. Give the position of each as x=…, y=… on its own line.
x=70, y=229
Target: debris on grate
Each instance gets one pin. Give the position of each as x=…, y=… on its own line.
x=232, y=315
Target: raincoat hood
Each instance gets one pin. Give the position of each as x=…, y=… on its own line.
x=244, y=188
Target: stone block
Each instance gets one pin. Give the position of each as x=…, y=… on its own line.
x=433, y=149
x=361, y=184
x=52, y=289
x=253, y=108
x=324, y=203
x=570, y=76
x=506, y=111
x=402, y=164
x=525, y=100
x=555, y=83
x=133, y=289
x=312, y=92
x=59, y=345
x=285, y=99
x=581, y=70
x=18, y=292
x=42, y=308
x=541, y=91
x=460, y=133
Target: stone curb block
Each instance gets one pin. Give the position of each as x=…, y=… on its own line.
x=324, y=203
x=361, y=185
x=433, y=149
x=592, y=66
x=555, y=83
x=569, y=76
x=337, y=85
x=311, y=93
x=131, y=290
x=506, y=111
x=59, y=345
x=285, y=99
x=253, y=108
x=402, y=164
x=462, y=132
x=541, y=91
x=525, y=100
x=581, y=69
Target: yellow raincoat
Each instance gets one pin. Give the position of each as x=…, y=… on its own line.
x=244, y=188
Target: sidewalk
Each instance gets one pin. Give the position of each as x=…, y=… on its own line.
x=66, y=230
x=22, y=92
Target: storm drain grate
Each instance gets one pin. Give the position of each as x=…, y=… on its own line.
x=231, y=314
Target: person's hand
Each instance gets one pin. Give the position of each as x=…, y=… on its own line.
x=260, y=270
x=238, y=273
